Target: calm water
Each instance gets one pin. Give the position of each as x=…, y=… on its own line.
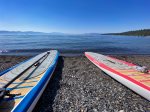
x=73, y=45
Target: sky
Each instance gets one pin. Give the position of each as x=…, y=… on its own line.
x=74, y=16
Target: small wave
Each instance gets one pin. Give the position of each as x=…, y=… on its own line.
x=4, y=51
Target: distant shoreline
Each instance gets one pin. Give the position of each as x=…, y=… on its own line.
x=144, y=32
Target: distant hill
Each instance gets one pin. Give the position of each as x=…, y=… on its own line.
x=28, y=33
x=20, y=33
x=42, y=33
x=143, y=32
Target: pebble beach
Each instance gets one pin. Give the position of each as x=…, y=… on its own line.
x=78, y=85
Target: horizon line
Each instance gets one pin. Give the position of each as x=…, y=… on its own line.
x=70, y=33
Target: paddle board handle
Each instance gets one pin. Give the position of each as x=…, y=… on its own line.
x=5, y=92
x=23, y=71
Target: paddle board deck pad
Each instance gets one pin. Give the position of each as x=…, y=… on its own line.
x=35, y=75
x=123, y=72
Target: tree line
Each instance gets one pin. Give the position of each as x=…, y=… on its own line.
x=142, y=32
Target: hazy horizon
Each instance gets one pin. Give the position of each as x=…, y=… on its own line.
x=67, y=33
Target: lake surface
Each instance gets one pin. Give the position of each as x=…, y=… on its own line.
x=73, y=44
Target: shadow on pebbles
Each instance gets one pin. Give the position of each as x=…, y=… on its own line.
x=79, y=86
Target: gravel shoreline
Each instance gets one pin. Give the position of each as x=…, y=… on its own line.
x=79, y=86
